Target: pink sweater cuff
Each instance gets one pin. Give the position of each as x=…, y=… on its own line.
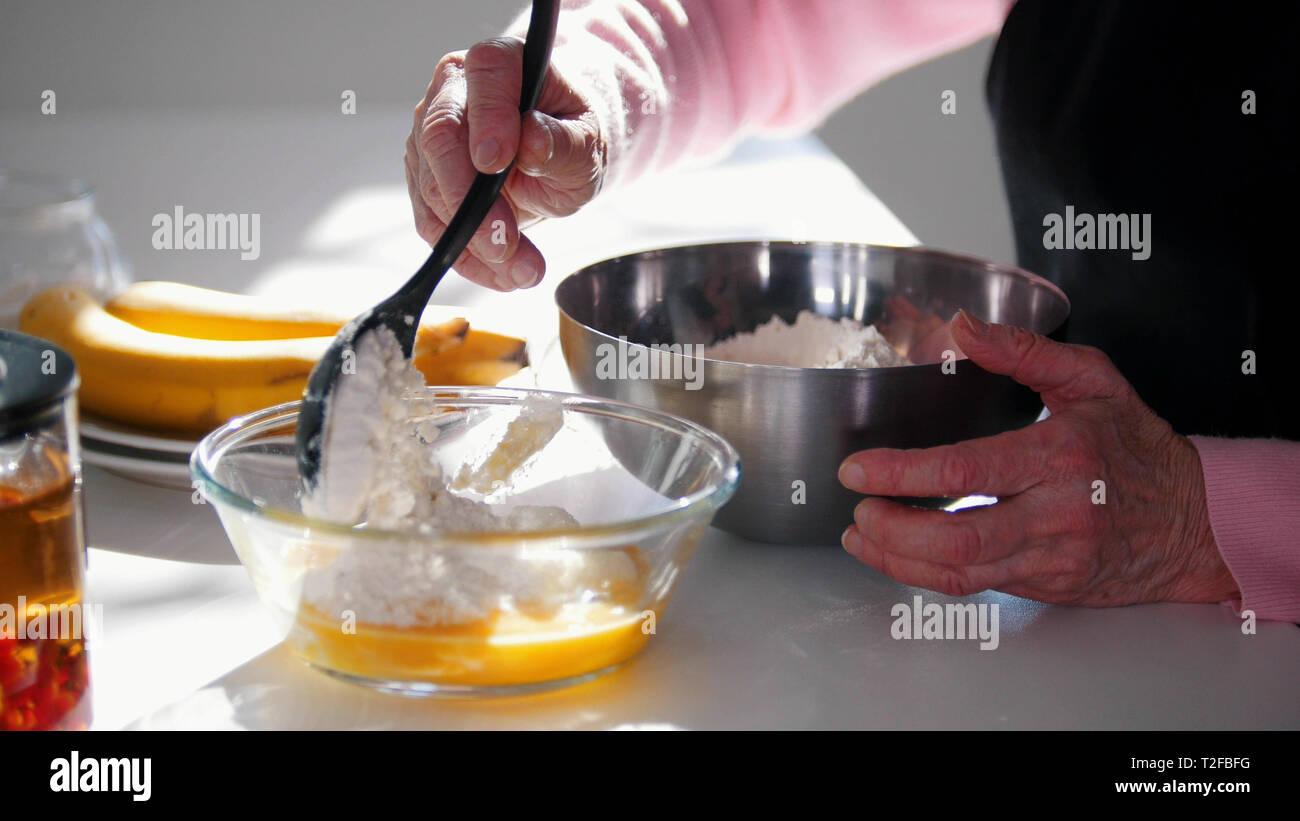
x=1253, y=490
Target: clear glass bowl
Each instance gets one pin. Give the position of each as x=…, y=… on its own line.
x=51, y=234
x=479, y=613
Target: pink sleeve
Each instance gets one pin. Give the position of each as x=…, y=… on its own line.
x=1253, y=489
x=674, y=80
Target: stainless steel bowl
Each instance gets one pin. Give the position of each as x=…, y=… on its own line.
x=794, y=426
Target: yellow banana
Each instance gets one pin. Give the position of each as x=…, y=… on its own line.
x=482, y=358
x=202, y=313
x=165, y=381
x=141, y=362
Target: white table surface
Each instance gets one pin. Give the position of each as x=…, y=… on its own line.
x=756, y=636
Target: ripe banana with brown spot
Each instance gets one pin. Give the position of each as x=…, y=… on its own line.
x=155, y=380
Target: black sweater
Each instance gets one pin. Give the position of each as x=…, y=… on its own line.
x=1128, y=107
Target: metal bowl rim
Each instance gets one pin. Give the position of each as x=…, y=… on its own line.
x=833, y=373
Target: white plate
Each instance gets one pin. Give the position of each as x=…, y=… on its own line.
x=134, y=453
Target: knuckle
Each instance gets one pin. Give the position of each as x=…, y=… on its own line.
x=413, y=189
x=1095, y=358
x=1070, y=569
x=964, y=543
x=443, y=130
x=1104, y=378
x=889, y=464
x=596, y=154
x=1074, y=451
x=588, y=151
x=1080, y=524
x=429, y=191
x=962, y=471
x=1028, y=348
x=1025, y=342
x=594, y=135
x=562, y=203
x=500, y=112
x=425, y=228
x=492, y=54
x=1094, y=524
x=1066, y=575
x=953, y=581
x=449, y=68
x=590, y=145
x=450, y=62
x=888, y=565
x=564, y=207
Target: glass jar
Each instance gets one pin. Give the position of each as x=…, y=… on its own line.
x=50, y=234
x=44, y=622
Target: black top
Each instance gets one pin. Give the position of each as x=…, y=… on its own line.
x=35, y=378
x=1124, y=107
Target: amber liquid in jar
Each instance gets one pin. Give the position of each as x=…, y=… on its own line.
x=44, y=682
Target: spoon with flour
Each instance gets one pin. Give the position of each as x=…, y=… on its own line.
x=396, y=319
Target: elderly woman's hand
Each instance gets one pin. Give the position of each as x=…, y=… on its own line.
x=468, y=122
x=1050, y=537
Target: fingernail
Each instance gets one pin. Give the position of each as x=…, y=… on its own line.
x=485, y=153
x=851, y=541
x=525, y=273
x=852, y=476
x=976, y=326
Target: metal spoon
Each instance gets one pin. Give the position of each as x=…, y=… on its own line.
x=401, y=312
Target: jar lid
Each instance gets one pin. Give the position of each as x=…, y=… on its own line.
x=35, y=378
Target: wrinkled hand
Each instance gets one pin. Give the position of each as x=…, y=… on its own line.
x=1046, y=539
x=468, y=122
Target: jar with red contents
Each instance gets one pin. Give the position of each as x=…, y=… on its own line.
x=44, y=621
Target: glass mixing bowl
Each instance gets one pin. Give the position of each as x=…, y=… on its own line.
x=478, y=612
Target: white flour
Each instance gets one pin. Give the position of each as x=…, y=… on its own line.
x=368, y=405
x=813, y=341
x=540, y=418
x=378, y=467
x=418, y=586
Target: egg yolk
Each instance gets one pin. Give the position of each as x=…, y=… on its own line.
x=508, y=648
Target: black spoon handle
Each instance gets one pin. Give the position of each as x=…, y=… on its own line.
x=485, y=188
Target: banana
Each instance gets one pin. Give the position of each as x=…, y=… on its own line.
x=142, y=364
x=482, y=358
x=202, y=313
x=156, y=380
